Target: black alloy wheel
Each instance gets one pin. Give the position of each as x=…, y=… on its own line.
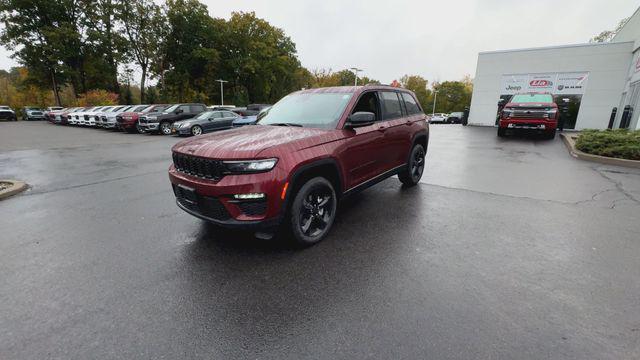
x=412, y=174
x=313, y=211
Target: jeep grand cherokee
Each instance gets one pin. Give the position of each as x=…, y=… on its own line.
x=312, y=148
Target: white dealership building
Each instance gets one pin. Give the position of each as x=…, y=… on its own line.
x=593, y=78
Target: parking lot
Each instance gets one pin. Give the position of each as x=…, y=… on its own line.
x=508, y=249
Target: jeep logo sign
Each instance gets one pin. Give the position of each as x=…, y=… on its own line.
x=540, y=83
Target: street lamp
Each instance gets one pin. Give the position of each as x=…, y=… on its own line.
x=355, y=71
x=221, y=91
x=435, y=97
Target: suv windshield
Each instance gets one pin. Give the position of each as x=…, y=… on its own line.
x=321, y=110
x=532, y=98
x=170, y=109
x=153, y=108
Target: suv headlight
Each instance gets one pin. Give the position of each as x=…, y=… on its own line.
x=507, y=112
x=249, y=166
x=152, y=118
x=551, y=113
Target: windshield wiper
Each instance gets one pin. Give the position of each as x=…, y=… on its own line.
x=286, y=124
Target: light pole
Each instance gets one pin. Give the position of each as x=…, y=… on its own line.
x=435, y=98
x=355, y=71
x=221, y=91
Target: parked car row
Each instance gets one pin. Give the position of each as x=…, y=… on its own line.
x=453, y=118
x=166, y=119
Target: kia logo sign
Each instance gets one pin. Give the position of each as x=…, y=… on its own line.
x=540, y=83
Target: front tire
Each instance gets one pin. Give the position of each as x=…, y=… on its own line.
x=196, y=130
x=411, y=175
x=501, y=132
x=313, y=211
x=165, y=128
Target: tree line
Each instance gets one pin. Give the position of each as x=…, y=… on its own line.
x=75, y=52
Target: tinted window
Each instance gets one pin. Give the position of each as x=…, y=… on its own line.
x=391, y=105
x=185, y=108
x=228, y=114
x=217, y=115
x=196, y=109
x=368, y=102
x=411, y=104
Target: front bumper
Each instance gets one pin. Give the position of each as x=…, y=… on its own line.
x=213, y=200
x=537, y=125
x=150, y=127
x=180, y=131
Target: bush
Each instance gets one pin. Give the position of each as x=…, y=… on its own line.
x=97, y=97
x=619, y=143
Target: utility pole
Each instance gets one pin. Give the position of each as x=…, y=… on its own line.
x=221, y=91
x=355, y=71
x=435, y=97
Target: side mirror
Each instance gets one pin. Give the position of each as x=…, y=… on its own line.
x=179, y=111
x=360, y=118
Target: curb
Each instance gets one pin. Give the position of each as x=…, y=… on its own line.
x=14, y=188
x=570, y=142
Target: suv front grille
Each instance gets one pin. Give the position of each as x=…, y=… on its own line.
x=198, y=167
x=528, y=114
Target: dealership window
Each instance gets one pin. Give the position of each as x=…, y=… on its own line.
x=411, y=104
x=391, y=105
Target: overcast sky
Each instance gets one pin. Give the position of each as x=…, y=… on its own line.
x=439, y=40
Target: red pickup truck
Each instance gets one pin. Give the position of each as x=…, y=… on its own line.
x=529, y=112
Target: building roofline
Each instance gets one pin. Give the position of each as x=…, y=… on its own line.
x=555, y=47
x=626, y=22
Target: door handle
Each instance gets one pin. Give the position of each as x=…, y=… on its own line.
x=382, y=128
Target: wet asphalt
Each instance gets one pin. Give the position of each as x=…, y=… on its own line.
x=508, y=249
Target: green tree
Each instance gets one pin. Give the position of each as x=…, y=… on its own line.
x=452, y=96
x=418, y=85
x=144, y=28
x=43, y=36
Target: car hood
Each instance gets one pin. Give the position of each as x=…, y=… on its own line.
x=248, y=142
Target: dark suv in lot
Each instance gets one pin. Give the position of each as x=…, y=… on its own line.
x=162, y=121
x=312, y=148
x=531, y=112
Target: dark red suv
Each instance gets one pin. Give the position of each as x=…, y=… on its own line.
x=312, y=148
x=530, y=112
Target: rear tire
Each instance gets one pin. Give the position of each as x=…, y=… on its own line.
x=414, y=169
x=313, y=211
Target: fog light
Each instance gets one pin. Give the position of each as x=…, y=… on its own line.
x=511, y=125
x=250, y=196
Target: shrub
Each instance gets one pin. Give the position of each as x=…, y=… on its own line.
x=97, y=97
x=619, y=143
